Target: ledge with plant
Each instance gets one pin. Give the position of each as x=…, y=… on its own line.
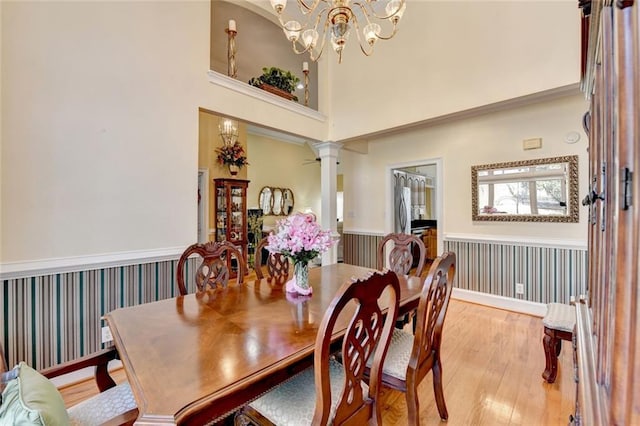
x=277, y=81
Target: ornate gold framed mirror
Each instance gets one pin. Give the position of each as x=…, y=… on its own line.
x=540, y=190
x=276, y=201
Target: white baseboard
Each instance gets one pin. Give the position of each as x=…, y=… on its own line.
x=500, y=302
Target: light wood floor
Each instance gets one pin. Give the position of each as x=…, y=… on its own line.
x=492, y=362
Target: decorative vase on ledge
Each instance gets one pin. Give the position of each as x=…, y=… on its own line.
x=233, y=169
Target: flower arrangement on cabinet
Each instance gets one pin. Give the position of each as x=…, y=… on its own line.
x=232, y=155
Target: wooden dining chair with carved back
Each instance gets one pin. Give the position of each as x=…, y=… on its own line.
x=216, y=263
x=332, y=392
x=277, y=264
x=400, y=259
x=29, y=397
x=412, y=356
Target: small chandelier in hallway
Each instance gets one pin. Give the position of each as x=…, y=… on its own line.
x=228, y=131
x=334, y=19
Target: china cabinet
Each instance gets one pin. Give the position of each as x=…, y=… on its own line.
x=231, y=212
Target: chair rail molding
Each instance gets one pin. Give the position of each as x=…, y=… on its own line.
x=240, y=87
x=565, y=243
x=35, y=268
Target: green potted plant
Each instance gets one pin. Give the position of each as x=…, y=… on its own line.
x=277, y=81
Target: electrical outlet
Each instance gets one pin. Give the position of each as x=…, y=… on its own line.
x=106, y=334
x=519, y=288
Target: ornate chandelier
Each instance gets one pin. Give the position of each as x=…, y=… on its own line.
x=334, y=19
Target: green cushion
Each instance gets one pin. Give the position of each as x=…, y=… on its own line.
x=31, y=399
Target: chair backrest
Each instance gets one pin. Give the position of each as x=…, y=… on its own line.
x=432, y=310
x=401, y=255
x=217, y=259
x=277, y=264
x=369, y=330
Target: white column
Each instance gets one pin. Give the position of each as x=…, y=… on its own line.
x=328, y=152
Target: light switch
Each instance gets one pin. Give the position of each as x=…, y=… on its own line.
x=534, y=143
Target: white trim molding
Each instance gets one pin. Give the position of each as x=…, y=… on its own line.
x=519, y=241
x=34, y=268
x=500, y=302
x=248, y=90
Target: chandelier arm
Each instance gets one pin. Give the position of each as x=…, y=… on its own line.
x=306, y=9
x=372, y=12
x=367, y=52
x=324, y=41
x=379, y=35
x=390, y=36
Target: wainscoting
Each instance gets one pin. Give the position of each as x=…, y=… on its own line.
x=361, y=249
x=549, y=271
x=54, y=318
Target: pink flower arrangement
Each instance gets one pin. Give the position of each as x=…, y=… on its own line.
x=300, y=238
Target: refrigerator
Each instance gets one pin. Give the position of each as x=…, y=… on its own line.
x=402, y=209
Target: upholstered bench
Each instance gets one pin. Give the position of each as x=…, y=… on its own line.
x=559, y=323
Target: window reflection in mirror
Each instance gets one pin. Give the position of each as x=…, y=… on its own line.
x=542, y=190
x=277, y=202
x=266, y=201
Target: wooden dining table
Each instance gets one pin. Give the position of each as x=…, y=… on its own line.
x=195, y=358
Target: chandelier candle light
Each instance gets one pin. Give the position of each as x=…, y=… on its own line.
x=300, y=238
x=334, y=19
x=231, y=31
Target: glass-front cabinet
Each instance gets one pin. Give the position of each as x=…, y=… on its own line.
x=231, y=212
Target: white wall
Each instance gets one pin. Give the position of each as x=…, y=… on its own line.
x=100, y=125
x=490, y=138
x=451, y=56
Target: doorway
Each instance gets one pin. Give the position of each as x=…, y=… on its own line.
x=414, y=196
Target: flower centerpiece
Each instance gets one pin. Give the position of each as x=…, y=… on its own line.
x=300, y=238
x=232, y=156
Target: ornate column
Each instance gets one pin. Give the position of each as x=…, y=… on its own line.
x=328, y=152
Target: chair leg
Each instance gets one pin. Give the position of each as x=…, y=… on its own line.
x=413, y=406
x=558, y=346
x=550, y=344
x=437, y=389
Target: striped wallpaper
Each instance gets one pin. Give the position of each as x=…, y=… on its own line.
x=360, y=249
x=549, y=274
x=51, y=319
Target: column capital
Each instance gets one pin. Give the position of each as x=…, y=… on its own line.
x=328, y=148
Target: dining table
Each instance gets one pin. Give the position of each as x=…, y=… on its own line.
x=197, y=358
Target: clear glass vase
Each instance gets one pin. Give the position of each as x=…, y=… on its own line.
x=301, y=272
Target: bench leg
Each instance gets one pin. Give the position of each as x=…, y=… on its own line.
x=552, y=346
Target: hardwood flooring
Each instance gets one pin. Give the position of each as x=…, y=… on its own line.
x=492, y=365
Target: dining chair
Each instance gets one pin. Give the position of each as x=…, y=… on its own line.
x=29, y=397
x=215, y=265
x=277, y=264
x=332, y=392
x=412, y=356
x=400, y=258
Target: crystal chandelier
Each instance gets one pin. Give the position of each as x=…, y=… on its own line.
x=334, y=19
x=228, y=131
